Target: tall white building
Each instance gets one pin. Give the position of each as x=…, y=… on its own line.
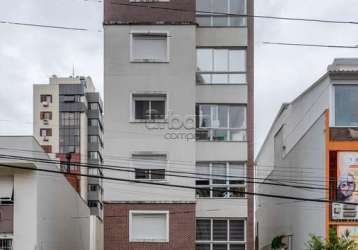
x=68, y=124
x=178, y=97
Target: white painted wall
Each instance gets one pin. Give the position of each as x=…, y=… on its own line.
x=122, y=137
x=48, y=212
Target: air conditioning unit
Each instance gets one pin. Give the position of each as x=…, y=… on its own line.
x=45, y=122
x=45, y=104
x=344, y=211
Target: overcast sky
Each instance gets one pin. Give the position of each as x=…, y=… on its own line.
x=31, y=55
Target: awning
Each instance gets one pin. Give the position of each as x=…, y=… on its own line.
x=6, y=187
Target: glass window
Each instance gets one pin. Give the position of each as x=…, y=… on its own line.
x=216, y=12
x=150, y=47
x=220, y=180
x=203, y=230
x=46, y=98
x=346, y=103
x=220, y=234
x=222, y=122
x=221, y=66
x=150, y=167
x=149, y=107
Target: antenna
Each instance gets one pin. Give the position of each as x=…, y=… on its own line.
x=73, y=71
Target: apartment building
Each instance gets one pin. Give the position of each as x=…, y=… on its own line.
x=38, y=210
x=68, y=124
x=178, y=83
x=313, y=142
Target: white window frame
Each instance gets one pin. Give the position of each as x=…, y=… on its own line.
x=227, y=242
x=227, y=184
x=228, y=129
x=148, y=32
x=164, y=212
x=148, y=94
x=165, y=167
x=332, y=114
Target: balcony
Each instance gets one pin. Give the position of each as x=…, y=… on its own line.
x=6, y=219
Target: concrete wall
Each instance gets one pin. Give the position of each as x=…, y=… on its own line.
x=48, y=212
x=305, y=161
x=123, y=137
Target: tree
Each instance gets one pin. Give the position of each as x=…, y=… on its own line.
x=334, y=242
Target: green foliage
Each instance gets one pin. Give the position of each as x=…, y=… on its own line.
x=334, y=242
x=277, y=242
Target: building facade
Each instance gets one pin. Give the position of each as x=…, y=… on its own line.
x=312, y=143
x=38, y=210
x=68, y=123
x=178, y=96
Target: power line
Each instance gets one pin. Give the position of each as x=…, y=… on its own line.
x=189, y=175
x=277, y=180
x=312, y=45
x=132, y=170
x=176, y=186
x=43, y=26
x=316, y=20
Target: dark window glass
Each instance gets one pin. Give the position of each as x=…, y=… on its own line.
x=203, y=192
x=203, y=230
x=219, y=230
x=141, y=173
x=219, y=246
x=142, y=110
x=237, y=230
x=157, y=110
x=237, y=247
x=346, y=105
x=220, y=192
x=158, y=174
x=202, y=247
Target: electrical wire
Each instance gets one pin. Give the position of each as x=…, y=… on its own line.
x=132, y=170
x=316, y=20
x=175, y=185
x=313, y=45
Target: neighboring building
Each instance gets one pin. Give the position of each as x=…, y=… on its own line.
x=179, y=97
x=312, y=142
x=68, y=124
x=38, y=210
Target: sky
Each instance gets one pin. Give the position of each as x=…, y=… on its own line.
x=30, y=55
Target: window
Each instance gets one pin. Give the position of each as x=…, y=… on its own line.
x=46, y=115
x=221, y=9
x=94, y=155
x=45, y=132
x=6, y=189
x=70, y=98
x=149, y=166
x=46, y=98
x=94, y=106
x=221, y=66
x=220, y=180
x=149, y=226
x=70, y=119
x=221, y=122
x=94, y=204
x=149, y=107
x=6, y=244
x=149, y=47
x=93, y=187
x=345, y=105
x=218, y=234
x=47, y=148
